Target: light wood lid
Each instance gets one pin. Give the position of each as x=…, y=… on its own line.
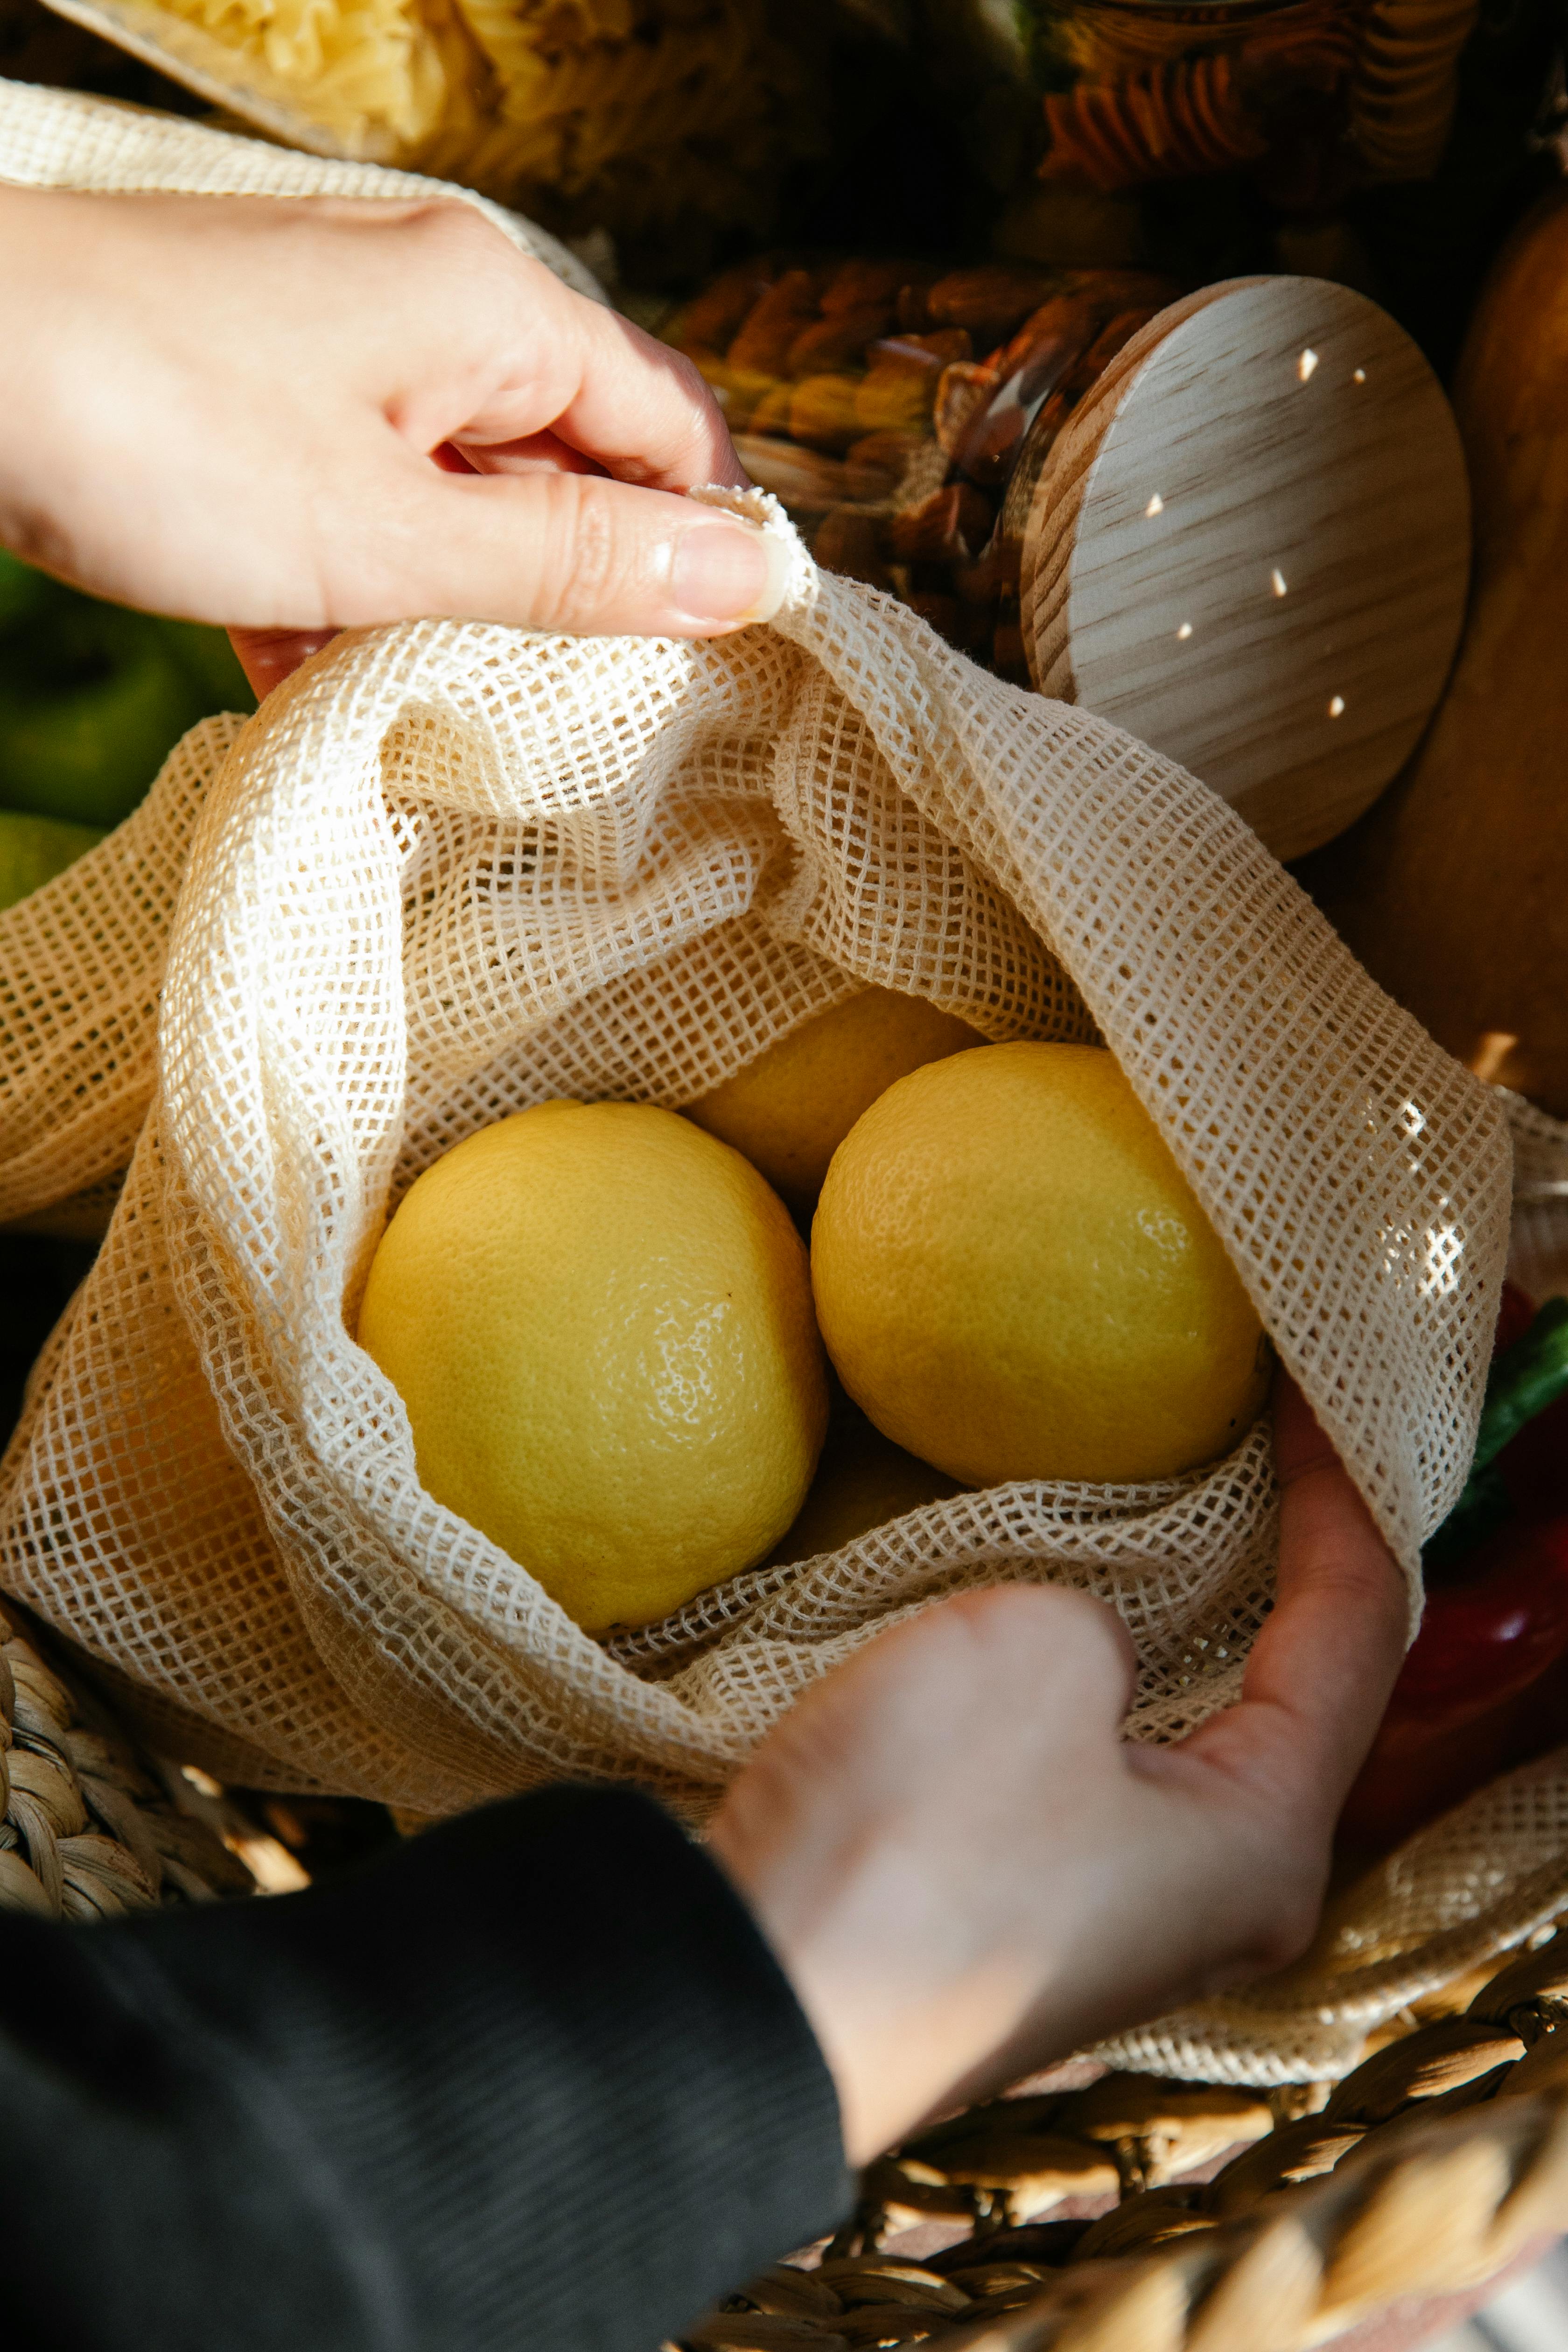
x=1249, y=546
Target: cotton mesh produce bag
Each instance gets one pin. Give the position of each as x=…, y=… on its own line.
x=450, y=870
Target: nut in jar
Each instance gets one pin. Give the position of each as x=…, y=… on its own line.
x=902, y=412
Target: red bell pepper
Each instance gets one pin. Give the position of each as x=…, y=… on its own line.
x=1515, y=1314
x=1484, y=1685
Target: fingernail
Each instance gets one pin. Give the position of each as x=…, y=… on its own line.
x=728, y=573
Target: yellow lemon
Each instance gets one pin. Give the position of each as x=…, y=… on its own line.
x=599, y=1320
x=862, y=1481
x=1015, y=1280
x=791, y=1108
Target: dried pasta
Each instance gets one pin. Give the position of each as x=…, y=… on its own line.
x=627, y=114
x=1191, y=114
x=1136, y=91
x=369, y=66
x=1402, y=97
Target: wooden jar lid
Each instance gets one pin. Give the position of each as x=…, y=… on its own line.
x=1249, y=546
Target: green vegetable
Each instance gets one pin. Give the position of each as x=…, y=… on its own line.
x=91, y=698
x=33, y=849
x=211, y=663
x=23, y=590
x=1524, y=1379
x=94, y=696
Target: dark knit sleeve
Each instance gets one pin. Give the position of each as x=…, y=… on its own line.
x=534, y=2081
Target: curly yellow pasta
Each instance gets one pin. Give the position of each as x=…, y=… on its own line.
x=358, y=64
x=629, y=114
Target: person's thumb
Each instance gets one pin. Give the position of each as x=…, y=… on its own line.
x=542, y=549
x=569, y=552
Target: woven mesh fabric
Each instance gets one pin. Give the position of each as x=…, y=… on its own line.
x=60, y=138
x=1473, y=1885
x=452, y=869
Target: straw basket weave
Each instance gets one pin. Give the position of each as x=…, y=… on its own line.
x=1223, y=2219
x=89, y=1829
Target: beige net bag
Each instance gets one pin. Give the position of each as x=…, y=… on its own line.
x=1480, y=1880
x=450, y=870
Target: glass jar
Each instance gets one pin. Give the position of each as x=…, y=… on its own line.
x=902, y=412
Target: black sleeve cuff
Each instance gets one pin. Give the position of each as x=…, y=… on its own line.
x=537, y=2079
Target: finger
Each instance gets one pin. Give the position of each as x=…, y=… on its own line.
x=642, y=410
x=1323, y=1666
x=546, y=550
x=579, y=369
x=535, y=453
x=1300, y=1443
x=269, y=656
x=898, y=1831
x=1003, y=1675
x=1041, y=1667
x=951, y=1727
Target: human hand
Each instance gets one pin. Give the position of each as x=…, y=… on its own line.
x=966, y=1871
x=226, y=409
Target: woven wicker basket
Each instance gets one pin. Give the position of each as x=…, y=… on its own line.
x=1123, y=2214
x=1133, y=2214
x=91, y=1829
